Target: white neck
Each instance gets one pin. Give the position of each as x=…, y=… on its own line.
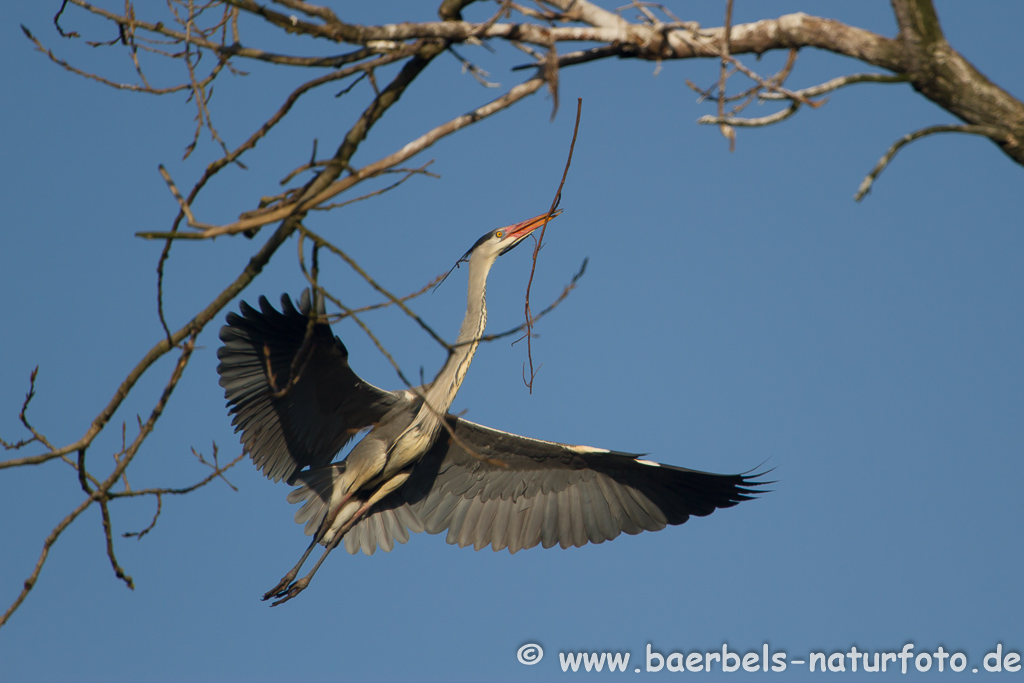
x=442, y=390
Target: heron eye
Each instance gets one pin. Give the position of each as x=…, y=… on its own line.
x=498, y=234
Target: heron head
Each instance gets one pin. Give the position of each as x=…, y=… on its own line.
x=494, y=243
x=509, y=237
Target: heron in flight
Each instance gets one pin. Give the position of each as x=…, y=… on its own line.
x=297, y=403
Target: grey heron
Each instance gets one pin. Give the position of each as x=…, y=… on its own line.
x=297, y=403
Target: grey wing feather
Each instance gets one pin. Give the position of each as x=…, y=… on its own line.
x=324, y=403
x=315, y=495
x=388, y=521
x=488, y=487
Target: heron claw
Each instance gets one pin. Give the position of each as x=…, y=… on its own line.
x=289, y=593
x=281, y=588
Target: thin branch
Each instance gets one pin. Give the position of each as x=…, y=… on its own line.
x=99, y=79
x=303, y=353
x=182, y=204
x=158, y=493
x=253, y=268
x=101, y=492
x=278, y=115
x=540, y=240
x=350, y=313
x=226, y=50
x=328, y=173
x=836, y=83
x=321, y=242
x=742, y=122
x=561, y=297
x=813, y=91
x=408, y=173
x=384, y=304
x=216, y=474
x=370, y=170
x=119, y=572
x=51, y=538
x=156, y=516
x=869, y=180
x=36, y=436
x=473, y=70
x=774, y=87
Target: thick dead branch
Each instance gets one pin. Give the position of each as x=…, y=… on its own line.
x=919, y=51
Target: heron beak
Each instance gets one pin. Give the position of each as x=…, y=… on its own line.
x=514, y=234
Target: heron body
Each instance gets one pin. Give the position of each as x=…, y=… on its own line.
x=297, y=403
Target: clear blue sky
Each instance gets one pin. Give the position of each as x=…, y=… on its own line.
x=739, y=309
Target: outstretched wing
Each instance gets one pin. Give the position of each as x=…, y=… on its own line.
x=488, y=487
x=292, y=412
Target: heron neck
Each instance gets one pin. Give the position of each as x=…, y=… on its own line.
x=442, y=390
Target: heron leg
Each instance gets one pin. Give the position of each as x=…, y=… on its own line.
x=332, y=514
x=287, y=593
x=288, y=578
x=286, y=581
x=286, y=590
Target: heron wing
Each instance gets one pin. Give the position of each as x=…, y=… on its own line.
x=488, y=487
x=292, y=415
x=388, y=521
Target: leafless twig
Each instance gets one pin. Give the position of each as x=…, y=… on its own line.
x=869, y=180
x=794, y=104
x=536, y=250
x=398, y=301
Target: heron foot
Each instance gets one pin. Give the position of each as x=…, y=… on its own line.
x=292, y=590
x=282, y=586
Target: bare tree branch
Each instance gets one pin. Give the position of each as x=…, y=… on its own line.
x=869, y=180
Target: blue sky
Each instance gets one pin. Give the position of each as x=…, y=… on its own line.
x=738, y=309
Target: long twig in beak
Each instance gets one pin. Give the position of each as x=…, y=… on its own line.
x=536, y=250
